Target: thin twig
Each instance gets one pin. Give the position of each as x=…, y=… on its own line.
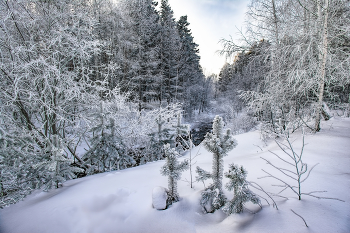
x=279, y=169
x=300, y=217
x=318, y=197
x=258, y=146
x=309, y=173
x=281, y=181
x=261, y=189
x=281, y=158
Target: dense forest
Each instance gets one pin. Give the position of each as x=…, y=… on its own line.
x=89, y=86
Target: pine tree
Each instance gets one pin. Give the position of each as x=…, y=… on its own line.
x=218, y=143
x=172, y=168
x=16, y=159
x=242, y=194
x=189, y=68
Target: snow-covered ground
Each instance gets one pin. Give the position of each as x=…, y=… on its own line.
x=121, y=201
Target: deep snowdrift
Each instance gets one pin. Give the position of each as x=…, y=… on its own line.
x=121, y=201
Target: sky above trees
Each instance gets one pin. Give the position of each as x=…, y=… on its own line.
x=210, y=21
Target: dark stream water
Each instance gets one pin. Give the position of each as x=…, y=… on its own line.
x=199, y=130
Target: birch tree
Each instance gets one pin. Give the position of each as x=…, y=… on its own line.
x=304, y=65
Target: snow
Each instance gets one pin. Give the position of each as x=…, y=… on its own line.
x=121, y=201
x=159, y=197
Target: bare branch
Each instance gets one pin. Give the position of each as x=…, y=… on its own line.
x=300, y=217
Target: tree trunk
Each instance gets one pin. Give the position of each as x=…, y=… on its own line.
x=323, y=56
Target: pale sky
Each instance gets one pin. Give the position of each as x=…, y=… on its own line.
x=210, y=21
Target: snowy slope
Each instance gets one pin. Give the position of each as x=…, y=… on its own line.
x=121, y=202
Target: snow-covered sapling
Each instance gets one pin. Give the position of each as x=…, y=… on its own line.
x=293, y=169
x=161, y=137
x=239, y=185
x=297, y=170
x=172, y=168
x=107, y=150
x=58, y=168
x=218, y=143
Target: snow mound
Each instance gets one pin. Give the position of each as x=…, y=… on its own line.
x=159, y=197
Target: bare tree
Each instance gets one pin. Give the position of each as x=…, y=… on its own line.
x=308, y=56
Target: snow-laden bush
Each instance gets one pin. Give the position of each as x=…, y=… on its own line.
x=242, y=122
x=121, y=136
x=16, y=157
x=219, y=143
x=57, y=169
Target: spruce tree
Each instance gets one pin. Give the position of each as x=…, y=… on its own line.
x=242, y=193
x=16, y=159
x=218, y=143
x=170, y=45
x=145, y=71
x=190, y=74
x=172, y=168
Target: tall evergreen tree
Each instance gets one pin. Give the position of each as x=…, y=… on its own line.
x=170, y=45
x=189, y=70
x=145, y=71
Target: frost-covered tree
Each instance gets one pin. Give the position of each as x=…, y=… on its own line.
x=164, y=133
x=170, y=44
x=45, y=73
x=16, y=158
x=107, y=150
x=144, y=68
x=57, y=169
x=189, y=71
x=173, y=169
x=218, y=143
x=242, y=193
x=307, y=58
x=181, y=135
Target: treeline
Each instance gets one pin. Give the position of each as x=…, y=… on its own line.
x=90, y=74
x=294, y=64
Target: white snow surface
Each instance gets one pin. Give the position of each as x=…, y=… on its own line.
x=121, y=201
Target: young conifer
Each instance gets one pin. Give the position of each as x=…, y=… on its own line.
x=239, y=185
x=218, y=143
x=172, y=168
